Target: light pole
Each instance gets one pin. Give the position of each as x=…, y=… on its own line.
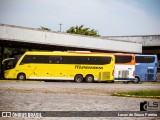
x=60, y=26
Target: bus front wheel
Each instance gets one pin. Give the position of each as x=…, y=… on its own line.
x=78, y=78
x=21, y=76
x=89, y=78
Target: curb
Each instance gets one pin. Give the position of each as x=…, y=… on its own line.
x=125, y=95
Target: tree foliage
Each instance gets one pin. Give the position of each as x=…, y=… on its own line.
x=9, y=52
x=44, y=28
x=82, y=31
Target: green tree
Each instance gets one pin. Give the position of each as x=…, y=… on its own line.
x=44, y=28
x=82, y=31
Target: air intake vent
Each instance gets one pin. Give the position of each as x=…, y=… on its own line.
x=150, y=74
x=123, y=74
x=150, y=77
x=104, y=75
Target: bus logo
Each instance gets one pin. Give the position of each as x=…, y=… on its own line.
x=87, y=67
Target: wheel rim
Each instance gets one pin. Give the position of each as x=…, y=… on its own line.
x=78, y=79
x=90, y=79
x=136, y=80
x=21, y=77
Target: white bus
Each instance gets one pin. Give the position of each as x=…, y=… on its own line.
x=124, y=67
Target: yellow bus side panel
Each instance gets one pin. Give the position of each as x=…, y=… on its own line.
x=63, y=71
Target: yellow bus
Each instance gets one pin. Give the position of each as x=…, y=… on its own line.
x=77, y=66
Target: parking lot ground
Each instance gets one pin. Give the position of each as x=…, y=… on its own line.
x=69, y=96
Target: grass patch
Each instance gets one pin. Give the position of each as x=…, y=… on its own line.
x=140, y=93
x=144, y=93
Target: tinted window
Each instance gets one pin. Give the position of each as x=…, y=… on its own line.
x=9, y=64
x=145, y=59
x=35, y=59
x=86, y=60
x=123, y=59
x=55, y=59
x=66, y=59
x=17, y=57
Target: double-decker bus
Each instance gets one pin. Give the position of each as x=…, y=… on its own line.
x=77, y=66
x=146, y=68
x=124, y=67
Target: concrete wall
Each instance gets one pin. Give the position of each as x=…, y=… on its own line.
x=30, y=35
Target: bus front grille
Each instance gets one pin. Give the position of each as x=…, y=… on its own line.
x=104, y=75
x=123, y=74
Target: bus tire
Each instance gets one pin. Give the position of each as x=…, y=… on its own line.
x=78, y=78
x=136, y=80
x=21, y=76
x=89, y=78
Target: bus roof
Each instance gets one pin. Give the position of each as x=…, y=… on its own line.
x=122, y=54
x=67, y=53
x=145, y=55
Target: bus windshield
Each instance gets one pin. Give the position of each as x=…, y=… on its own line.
x=9, y=64
x=123, y=59
x=145, y=59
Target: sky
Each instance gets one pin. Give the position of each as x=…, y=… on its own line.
x=108, y=17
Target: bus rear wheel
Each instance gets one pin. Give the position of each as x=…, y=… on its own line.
x=78, y=78
x=136, y=80
x=89, y=78
x=21, y=76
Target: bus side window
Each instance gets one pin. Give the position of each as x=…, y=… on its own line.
x=85, y=60
x=26, y=59
x=41, y=59
x=55, y=60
